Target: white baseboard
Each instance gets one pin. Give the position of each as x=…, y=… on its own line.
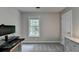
x=41, y=42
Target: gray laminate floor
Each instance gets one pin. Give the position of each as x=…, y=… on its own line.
x=55, y=47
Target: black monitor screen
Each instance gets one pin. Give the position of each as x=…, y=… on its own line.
x=6, y=29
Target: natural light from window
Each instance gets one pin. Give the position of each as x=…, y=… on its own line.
x=34, y=27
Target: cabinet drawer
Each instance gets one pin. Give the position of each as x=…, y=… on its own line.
x=75, y=47
x=71, y=46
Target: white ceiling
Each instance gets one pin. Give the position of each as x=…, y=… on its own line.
x=42, y=9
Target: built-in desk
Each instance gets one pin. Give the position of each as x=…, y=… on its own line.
x=13, y=46
x=71, y=44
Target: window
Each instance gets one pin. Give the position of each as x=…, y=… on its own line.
x=34, y=27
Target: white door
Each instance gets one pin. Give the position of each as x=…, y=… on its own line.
x=66, y=25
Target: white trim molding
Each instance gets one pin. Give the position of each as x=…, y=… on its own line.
x=41, y=42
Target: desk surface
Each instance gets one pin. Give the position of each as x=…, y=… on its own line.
x=6, y=47
x=73, y=39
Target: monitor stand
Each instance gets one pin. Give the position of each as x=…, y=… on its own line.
x=6, y=38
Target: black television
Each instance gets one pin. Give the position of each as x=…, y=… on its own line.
x=5, y=30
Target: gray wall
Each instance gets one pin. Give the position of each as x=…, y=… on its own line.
x=49, y=26
x=75, y=17
x=10, y=16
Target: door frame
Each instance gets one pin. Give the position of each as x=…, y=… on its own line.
x=63, y=41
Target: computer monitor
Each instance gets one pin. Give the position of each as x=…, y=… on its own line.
x=5, y=30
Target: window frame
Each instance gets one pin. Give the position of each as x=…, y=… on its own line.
x=37, y=26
